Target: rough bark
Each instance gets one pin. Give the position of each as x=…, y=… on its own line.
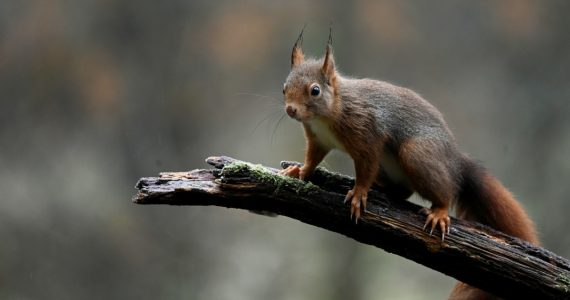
x=472, y=253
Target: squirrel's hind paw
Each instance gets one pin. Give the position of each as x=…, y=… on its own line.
x=437, y=217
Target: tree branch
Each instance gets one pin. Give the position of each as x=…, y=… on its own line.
x=472, y=253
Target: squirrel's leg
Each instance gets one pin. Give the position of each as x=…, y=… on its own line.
x=432, y=179
x=314, y=154
x=366, y=173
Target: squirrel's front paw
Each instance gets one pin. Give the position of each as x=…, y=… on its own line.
x=357, y=197
x=291, y=171
x=296, y=172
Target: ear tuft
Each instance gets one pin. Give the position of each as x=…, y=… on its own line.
x=297, y=56
x=328, y=64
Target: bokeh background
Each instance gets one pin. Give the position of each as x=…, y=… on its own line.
x=95, y=94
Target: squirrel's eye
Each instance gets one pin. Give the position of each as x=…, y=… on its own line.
x=315, y=90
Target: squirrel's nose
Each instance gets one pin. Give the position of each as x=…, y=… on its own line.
x=291, y=111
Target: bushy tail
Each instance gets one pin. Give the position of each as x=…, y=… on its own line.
x=485, y=200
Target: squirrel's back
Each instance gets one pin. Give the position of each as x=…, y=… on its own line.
x=396, y=108
x=398, y=111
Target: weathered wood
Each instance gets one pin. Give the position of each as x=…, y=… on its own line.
x=472, y=253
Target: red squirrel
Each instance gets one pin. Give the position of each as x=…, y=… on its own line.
x=399, y=141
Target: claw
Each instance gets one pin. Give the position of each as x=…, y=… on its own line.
x=357, y=200
x=355, y=206
x=348, y=196
x=442, y=227
x=432, y=228
x=428, y=220
x=437, y=218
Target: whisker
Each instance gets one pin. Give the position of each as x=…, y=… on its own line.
x=280, y=101
x=276, y=126
x=264, y=119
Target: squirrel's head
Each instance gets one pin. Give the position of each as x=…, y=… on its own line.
x=310, y=88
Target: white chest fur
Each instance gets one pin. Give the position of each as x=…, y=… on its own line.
x=324, y=134
x=326, y=137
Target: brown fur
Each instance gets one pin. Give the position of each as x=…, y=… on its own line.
x=373, y=121
x=314, y=154
x=431, y=176
x=486, y=200
x=297, y=56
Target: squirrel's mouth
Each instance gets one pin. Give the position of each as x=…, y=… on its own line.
x=293, y=113
x=298, y=118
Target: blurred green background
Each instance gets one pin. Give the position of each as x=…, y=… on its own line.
x=95, y=94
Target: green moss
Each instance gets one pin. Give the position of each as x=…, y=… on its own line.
x=308, y=187
x=261, y=174
x=564, y=280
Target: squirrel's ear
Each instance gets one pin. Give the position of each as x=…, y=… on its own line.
x=297, y=56
x=328, y=64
